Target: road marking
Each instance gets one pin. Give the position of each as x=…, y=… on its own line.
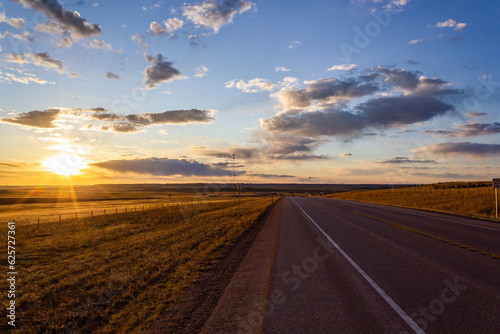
x=428, y=216
x=381, y=292
x=427, y=235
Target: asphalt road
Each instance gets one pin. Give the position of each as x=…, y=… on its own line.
x=348, y=267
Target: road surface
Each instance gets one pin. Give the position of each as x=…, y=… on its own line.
x=348, y=267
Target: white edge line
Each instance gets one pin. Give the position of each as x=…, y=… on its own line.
x=381, y=292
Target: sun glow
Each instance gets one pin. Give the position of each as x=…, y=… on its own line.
x=64, y=164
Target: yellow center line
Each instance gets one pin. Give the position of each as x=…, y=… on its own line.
x=428, y=235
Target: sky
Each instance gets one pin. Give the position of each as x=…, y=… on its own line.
x=339, y=91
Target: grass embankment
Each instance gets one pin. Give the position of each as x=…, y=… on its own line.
x=464, y=198
x=118, y=273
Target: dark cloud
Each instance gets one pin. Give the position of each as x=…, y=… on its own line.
x=283, y=144
x=111, y=75
x=241, y=153
x=469, y=130
x=44, y=59
x=324, y=107
x=405, y=160
x=477, y=150
x=37, y=119
x=378, y=112
x=72, y=20
x=133, y=122
x=214, y=14
x=160, y=71
x=271, y=176
x=297, y=157
x=163, y=167
x=325, y=91
x=476, y=114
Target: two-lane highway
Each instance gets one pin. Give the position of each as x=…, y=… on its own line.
x=348, y=267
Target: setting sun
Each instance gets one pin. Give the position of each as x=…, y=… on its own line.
x=64, y=164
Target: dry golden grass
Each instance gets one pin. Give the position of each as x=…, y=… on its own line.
x=471, y=199
x=118, y=273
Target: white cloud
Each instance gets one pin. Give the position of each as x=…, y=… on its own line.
x=451, y=24
x=13, y=22
x=294, y=44
x=415, y=41
x=201, y=72
x=281, y=69
x=252, y=86
x=213, y=14
x=343, y=67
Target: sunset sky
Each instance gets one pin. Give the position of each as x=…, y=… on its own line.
x=339, y=91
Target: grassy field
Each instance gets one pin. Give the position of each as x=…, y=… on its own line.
x=30, y=205
x=465, y=198
x=118, y=273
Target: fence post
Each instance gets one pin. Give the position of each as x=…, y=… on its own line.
x=116, y=210
x=104, y=211
x=59, y=219
x=76, y=215
x=38, y=221
x=125, y=209
x=92, y=214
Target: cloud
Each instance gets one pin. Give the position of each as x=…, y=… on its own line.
x=476, y=114
x=65, y=43
x=297, y=157
x=52, y=28
x=281, y=69
x=71, y=20
x=111, y=75
x=36, y=119
x=134, y=122
x=104, y=120
x=252, y=86
x=16, y=58
x=415, y=41
x=13, y=22
x=323, y=109
x=343, y=67
x=201, y=72
x=294, y=44
x=476, y=150
x=451, y=24
x=139, y=38
x=271, y=176
x=281, y=143
x=100, y=44
x=244, y=153
x=213, y=14
x=160, y=71
x=25, y=36
x=163, y=167
x=326, y=91
x=169, y=26
x=345, y=154
x=405, y=160
x=42, y=59
x=469, y=130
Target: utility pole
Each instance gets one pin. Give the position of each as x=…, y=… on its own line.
x=234, y=160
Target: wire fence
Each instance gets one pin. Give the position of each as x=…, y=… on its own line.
x=108, y=210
